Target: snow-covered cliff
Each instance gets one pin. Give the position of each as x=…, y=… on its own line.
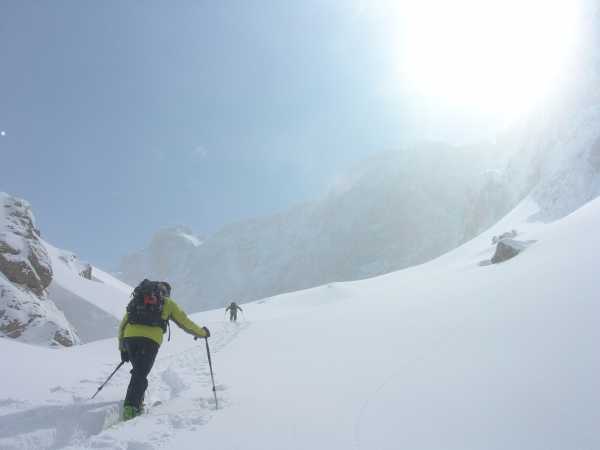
x=26, y=312
x=47, y=295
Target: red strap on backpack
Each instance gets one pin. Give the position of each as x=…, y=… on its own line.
x=150, y=300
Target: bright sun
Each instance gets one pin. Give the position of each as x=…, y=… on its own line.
x=490, y=56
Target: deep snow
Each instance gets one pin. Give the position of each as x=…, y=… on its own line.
x=447, y=355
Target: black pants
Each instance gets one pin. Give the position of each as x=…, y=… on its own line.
x=142, y=353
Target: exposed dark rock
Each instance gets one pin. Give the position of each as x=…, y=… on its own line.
x=23, y=258
x=64, y=338
x=507, y=249
x=83, y=269
x=13, y=328
x=87, y=272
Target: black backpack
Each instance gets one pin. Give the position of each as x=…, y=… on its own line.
x=146, y=305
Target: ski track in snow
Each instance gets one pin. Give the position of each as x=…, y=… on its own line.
x=436, y=349
x=179, y=386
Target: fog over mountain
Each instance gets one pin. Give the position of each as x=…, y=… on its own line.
x=487, y=339
x=397, y=209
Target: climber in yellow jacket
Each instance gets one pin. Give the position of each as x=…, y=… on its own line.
x=141, y=334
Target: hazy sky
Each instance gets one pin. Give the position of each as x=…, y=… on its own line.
x=125, y=116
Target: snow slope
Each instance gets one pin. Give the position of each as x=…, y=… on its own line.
x=93, y=306
x=103, y=291
x=447, y=355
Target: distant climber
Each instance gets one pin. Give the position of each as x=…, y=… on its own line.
x=233, y=309
x=141, y=333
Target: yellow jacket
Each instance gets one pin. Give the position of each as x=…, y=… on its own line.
x=170, y=311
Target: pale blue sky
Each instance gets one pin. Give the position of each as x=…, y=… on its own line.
x=125, y=116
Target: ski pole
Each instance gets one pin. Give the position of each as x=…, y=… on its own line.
x=212, y=377
x=108, y=379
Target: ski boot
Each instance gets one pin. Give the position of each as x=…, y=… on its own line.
x=130, y=412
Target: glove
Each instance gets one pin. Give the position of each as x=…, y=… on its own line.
x=206, y=336
x=124, y=356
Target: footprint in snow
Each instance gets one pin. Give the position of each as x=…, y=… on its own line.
x=174, y=382
x=58, y=389
x=137, y=445
x=103, y=442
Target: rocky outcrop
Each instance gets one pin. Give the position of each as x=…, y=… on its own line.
x=86, y=272
x=26, y=313
x=507, y=249
x=23, y=258
x=83, y=269
x=32, y=319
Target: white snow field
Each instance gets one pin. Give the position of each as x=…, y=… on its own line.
x=450, y=355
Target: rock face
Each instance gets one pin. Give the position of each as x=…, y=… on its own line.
x=23, y=258
x=86, y=272
x=507, y=249
x=26, y=313
x=32, y=319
